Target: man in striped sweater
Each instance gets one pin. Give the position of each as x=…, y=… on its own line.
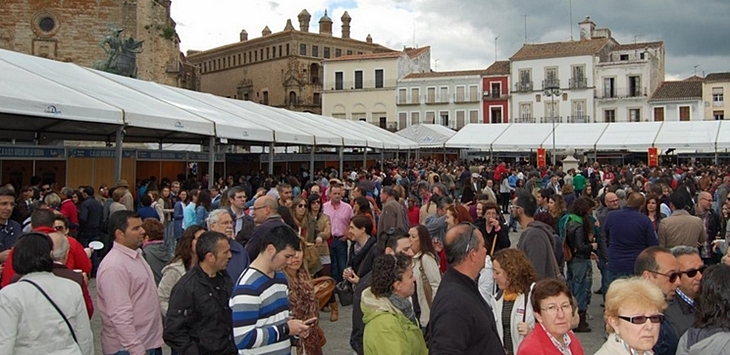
x=261, y=323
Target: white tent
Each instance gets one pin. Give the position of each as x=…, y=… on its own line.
x=476, y=136
x=427, y=135
x=723, y=135
x=522, y=136
x=387, y=137
x=629, y=136
x=351, y=137
x=575, y=135
x=691, y=135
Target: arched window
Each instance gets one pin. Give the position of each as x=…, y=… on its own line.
x=292, y=98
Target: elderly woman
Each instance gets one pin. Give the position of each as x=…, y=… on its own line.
x=42, y=313
x=553, y=308
x=515, y=276
x=391, y=326
x=633, y=317
x=710, y=333
x=154, y=250
x=303, y=304
x=494, y=230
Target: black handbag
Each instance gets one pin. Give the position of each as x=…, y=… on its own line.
x=344, y=292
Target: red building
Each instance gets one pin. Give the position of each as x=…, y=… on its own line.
x=495, y=86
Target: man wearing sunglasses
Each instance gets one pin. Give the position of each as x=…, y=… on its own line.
x=682, y=309
x=661, y=268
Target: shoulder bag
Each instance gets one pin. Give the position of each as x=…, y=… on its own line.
x=70, y=328
x=427, y=291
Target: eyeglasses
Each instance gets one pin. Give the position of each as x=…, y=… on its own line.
x=317, y=202
x=693, y=272
x=471, y=235
x=657, y=318
x=553, y=309
x=46, y=189
x=672, y=277
x=302, y=206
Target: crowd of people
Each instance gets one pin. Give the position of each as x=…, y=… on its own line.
x=420, y=248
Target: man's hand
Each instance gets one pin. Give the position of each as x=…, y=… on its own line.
x=296, y=326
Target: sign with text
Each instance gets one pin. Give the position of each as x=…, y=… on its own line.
x=653, y=159
x=32, y=152
x=541, y=158
x=98, y=153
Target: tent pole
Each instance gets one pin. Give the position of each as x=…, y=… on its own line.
x=341, y=151
x=365, y=158
x=271, y=158
x=409, y=155
x=382, y=159
x=311, y=163
x=118, y=154
x=211, y=161
x=716, y=153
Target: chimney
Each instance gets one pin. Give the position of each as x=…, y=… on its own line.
x=587, y=27
x=265, y=32
x=243, y=36
x=325, y=25
x=304, y=18
x=289, y=26
x=369, y=39
x=345, y=25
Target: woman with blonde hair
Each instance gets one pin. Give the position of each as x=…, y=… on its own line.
x=515, y=276
x=633, y=316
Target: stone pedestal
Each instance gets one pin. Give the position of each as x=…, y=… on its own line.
x=570, y=162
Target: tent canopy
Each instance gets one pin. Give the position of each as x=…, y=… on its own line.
x=522, y=136
x=694, y=135
x=629, y=135
x=476, y=136
x=427, y=135
x=575, y=135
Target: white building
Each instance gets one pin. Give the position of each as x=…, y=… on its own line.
x=598, y=79
x=678, y=101
x=451, y=99
x=363, y=87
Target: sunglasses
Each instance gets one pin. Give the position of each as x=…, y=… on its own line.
x=672, y=277
x=657, y=318
x=301, y=206
x=693, y=272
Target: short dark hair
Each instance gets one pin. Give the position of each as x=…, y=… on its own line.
x=146, y=200
x=388, y=190
x=549, y=288
x=527, y=202
x=680, y=199
x=547, y=193
x=32, y=253
x=4, y=191
x=42, y=217
x=119, y=220
x=646, y=261
x=362, y=221
x=388, y=269
x=89, y=190
x=233, y=191
x=62, y=218
x=443, y=201
x=713, y=303
x=390, y=238
x=208, y=243
x=281, y=237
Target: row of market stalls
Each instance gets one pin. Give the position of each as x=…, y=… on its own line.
x=695, y=136
x=44, y=101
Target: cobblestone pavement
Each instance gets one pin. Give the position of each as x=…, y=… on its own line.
x=338, y=333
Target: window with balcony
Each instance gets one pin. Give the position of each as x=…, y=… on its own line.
x=378, y=78
x=402, y=100
x=431, y=95
x=578, y=79
x=551, y=77
x=415, y=96
x=460, y=94
x=552, y=112
x=473, y=93
x=460, y=119
x=634, y=115
x=525, y=112
x=525, y=80
x=358, y=79
x=444, y=118
x=496, y=90
x=430, y=117
x=634, y=86
x=339, y=80
x=315, y=51
x=444, y=94
x=609, y=87
x=578, y=112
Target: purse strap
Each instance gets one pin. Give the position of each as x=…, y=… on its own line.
x=73, y=334
x=426, y=284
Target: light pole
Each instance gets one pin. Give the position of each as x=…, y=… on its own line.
x=551, y=88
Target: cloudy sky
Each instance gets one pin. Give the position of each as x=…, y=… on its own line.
x=462, y=33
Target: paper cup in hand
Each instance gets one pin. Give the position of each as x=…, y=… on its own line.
x=96, y=245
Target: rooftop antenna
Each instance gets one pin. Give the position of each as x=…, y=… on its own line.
x=436, y=64
x=495, y=48
x=525, y=28
x=571, y=19
x=695, y=69
x=414, y=35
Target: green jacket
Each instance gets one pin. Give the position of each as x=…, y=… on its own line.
x=387, y=330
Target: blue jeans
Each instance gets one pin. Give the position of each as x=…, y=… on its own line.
x=614, y=275
x=580, y=279
x=157, y=351
x=603, y=267
x=338, y=255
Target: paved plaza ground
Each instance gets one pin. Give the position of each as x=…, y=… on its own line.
x=338, y=333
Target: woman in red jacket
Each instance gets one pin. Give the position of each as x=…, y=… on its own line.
x=553, y=307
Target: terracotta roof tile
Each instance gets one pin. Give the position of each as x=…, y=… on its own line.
x=678, y=90
x=640, y=45
x=415, y=52
x=498, y=68
x=445, y=74
x=560, y=49
x=718, y=77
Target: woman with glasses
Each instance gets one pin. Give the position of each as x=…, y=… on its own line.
x=513, y=314
x=553, y=307
x=710, y=334
x=298, y=211
x=391, y=326
x=633, y=317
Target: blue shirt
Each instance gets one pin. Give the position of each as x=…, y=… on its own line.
x=189, y=215
x=628, y=232
x=148, y=212
x=239, y=260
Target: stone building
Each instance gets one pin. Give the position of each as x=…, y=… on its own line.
x=71, y=31
x=281, y=69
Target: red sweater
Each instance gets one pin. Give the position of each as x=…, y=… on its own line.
x=69, y=210
x=538, y=343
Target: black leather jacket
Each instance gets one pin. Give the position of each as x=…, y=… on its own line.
x=578, y=240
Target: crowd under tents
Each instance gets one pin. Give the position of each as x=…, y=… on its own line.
x=688, y=136
x=43, y=101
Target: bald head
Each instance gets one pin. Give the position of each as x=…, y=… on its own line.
x=465, y=250
x=704, y=201
x=611, y=200
x=263, y=208
x=60, y=247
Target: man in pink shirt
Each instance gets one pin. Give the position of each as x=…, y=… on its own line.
x=127, y=296
x=340, y=215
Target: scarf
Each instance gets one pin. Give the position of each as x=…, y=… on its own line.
x=403, y=305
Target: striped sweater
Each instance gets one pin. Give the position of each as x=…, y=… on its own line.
x=260, y=311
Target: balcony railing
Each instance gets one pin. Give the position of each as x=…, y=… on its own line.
x=550, y=84
x=525, y=86
x=578, y=83
x=578, y=119
x=558, y=119
x=621, y=93
x=403, y=101
x=524, y=119
x=300, y=102
x=495, y=96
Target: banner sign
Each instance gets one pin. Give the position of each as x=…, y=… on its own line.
x=653, y=156
x=541, y=158
x=32, y=152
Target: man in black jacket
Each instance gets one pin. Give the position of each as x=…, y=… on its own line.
x=199, y=319
x=90, y=214
x=461, y=320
